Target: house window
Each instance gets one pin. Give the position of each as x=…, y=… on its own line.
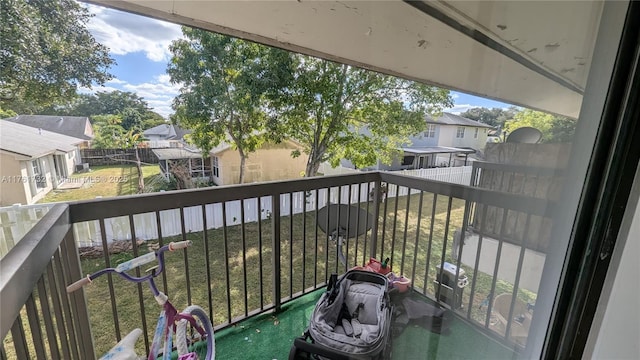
x=38, y=174
x=460, y=132
x=475, y=136
x=408, y=160
x=216, y=170
x=431, y=131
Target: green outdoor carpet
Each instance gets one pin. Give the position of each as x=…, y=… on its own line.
x=271, y=336
x=267, y=336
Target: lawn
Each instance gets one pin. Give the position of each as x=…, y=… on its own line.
x=226, y=250
x=106, y=181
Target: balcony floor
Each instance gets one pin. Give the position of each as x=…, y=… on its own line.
x=270, y=337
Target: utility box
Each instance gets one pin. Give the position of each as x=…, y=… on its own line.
x=446, y=283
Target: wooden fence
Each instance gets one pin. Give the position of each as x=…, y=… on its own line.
x=97, y=157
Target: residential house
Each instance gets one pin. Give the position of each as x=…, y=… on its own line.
x=452, y=130
x=33, y=162
x=165, y=135
x=75, y=126
x=270, y=162
x=222, y=166
x=449, y=140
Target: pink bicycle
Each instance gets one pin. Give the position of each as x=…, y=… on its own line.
x=199, y=346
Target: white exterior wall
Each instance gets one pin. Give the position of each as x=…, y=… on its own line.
x=446, y=135
x=154, y=137
x=422, y=140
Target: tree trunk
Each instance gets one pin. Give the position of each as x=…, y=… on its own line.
x=140, y=176
x=243, y=159
x=313, y=164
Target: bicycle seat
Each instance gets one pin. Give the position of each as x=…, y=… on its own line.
x=125, y=349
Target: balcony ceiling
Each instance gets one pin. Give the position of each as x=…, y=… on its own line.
x=529, y=53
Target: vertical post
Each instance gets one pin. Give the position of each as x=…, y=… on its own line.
x=275, y=270
x=376, y=216
x=78, y=299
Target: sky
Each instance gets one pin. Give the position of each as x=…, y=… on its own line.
x=140, y=47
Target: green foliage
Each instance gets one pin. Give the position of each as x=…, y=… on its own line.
x=46, y=53
x=110, y=134
x=131, y=119
x=108, y=131
x=133, y=109
x=554, y=128
x=7, y=113
x=224, y=81
x=117, y=102
x=342, y=112
x=495, y=117
x=151, y=119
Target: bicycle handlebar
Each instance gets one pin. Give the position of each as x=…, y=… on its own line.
x=179, y=245
x=78, y=284
x=133, y=263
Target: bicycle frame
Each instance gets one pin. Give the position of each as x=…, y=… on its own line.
x=169, y=316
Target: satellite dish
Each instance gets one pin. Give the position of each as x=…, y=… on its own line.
x=525, y=135
x=342, y=220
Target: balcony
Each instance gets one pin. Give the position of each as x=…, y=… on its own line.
x=260, y=259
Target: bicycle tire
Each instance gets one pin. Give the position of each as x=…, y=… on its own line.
x=181, y=332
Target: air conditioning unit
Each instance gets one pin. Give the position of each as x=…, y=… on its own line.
x=82, y=167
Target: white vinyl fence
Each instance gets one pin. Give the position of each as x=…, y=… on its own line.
x=88, y=233
x=17, y=220
x=455, y=175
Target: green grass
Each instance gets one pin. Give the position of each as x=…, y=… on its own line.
x=106, y=181
x=129, y=312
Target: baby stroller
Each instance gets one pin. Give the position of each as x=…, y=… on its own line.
x=352, y=320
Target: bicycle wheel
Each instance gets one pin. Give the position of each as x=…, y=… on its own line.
x=186, y=344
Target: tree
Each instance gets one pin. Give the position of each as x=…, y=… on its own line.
x=339, y=112
x=117, y=102
x=553, y=128
x=131, y=119
x=130, y=140
x=495, y=117
x=108, y=132
x=6, y=113
x=151, y=119
x=223, y=85
x=46, y=52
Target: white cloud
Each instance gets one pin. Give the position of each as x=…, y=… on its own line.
x=95, y=89
x=158, y=93
x=126, y=33
x=116, y=81
x=459, y=108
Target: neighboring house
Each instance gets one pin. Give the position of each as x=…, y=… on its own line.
x=75, y=126
x=449, y=140
x=164, y=136
x=454, y=131
x=33, y=162
x=270, y=162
